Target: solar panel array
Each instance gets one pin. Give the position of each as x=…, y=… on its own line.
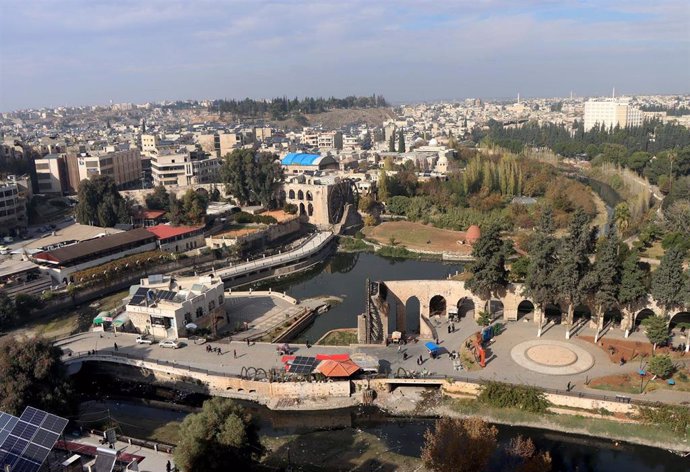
x=26, y=441
x=303, y=365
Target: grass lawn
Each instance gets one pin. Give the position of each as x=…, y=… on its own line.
x=655, y=251
x=416, y=236
x=572, y=423
x=343, y=337
x=630, y=383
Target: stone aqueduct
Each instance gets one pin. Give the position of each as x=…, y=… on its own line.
x=387, y=301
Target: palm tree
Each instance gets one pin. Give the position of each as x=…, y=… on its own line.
x=621, y=217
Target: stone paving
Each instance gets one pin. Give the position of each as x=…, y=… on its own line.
x=500, y=364
x=547, y=356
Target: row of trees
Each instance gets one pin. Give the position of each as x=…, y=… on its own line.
x=11, y=309
x=100, y=203
x=189, y=210
x=561, y=271
x=280, y=107
x=252, y=177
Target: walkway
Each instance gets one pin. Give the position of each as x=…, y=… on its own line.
x=309, y=248
x=500, y=364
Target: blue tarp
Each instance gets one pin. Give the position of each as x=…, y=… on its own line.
x=300, y=158
x=432, y=347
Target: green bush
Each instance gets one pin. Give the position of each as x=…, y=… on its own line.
x=522, y=397
x=661, y=366
x=675, y=417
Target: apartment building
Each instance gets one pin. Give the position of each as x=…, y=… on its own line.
x=12, y=207
x=182, y=169
x=122, y=163
x=322, y=140
x=611, y=113
x=219, y=144
x=51, y=174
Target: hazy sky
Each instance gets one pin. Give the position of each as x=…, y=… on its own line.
x=92, y=51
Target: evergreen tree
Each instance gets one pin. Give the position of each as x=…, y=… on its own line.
x=633, y=289
x=489, y=273
x=573, y=262
x=656, y=329
x=604, y=279
x=391, y=143
x=667, y=280
x=539, y=284
x=401, y=142
x=382, y=186
x=366, y=141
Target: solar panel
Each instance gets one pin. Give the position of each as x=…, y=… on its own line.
x=25, y=442
x=302, y=365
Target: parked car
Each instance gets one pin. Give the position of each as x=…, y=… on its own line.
x=144, y=340
x=169, y=343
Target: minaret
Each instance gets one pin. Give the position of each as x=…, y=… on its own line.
x=518, y=98
x=614, y=92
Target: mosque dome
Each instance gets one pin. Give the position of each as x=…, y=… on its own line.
x=473, y=234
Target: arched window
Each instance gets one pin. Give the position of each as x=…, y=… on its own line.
x=292, y=195
x=300, y=195
x=310, y=209
x=310, y=197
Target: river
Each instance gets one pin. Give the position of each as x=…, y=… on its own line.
x=344, y=275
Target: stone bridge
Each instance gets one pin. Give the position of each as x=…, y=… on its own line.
x=388, y=303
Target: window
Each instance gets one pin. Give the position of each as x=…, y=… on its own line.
x=220, y=300
x=211, y=305
x=199, y=312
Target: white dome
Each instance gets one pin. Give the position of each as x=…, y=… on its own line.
x=433, y=142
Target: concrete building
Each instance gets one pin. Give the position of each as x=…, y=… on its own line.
x=163, y=307
x=149, y=144
x=51, y=173
x=178, y=238
x=122, y=163
x=12, y=207
x=182, y=169
x=611, y=113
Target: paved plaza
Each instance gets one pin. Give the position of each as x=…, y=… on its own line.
x=501, y=364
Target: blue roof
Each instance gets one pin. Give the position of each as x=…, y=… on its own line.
x=300, y=159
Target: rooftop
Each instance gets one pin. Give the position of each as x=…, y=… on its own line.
x=301, y=159
x=168, y=231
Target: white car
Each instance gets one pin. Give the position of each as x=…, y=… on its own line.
x=144, y=340
x=169, y=343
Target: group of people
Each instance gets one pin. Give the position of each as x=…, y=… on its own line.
x=451, y=328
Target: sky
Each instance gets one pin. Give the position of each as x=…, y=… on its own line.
x=89, y=52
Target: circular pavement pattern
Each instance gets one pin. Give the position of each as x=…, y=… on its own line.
x=552, y=357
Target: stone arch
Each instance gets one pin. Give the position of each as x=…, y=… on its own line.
x=614, y=316
x=681, y=320
x=310, y=197
x=581, y=311
x=300, y=195
x=466, y=307
x=642, y=315
x=437, y=306
x=413, y=310
x=679, y=327
x=553, y=312
x=291, y=194
x=494, y=307
x=302, y=210
x=310, y=209
x=525, y=308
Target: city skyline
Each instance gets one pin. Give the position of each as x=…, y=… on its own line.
x=88, y=53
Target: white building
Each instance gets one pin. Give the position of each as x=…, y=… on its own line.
x=12, y=207
x=181, y=170
x=611, y=113
x=163, y=306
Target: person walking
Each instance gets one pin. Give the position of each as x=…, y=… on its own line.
x=399, y=347
x=234, y=354
x=247, y=342
x=168, y=467
x=115, y=346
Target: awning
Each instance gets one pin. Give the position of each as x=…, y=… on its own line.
x=331, y=368
x=432, y=347
x=102, y=318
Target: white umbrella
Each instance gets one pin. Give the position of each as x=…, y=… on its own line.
x=191, y=326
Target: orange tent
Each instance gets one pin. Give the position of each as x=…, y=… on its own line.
x=333, y=368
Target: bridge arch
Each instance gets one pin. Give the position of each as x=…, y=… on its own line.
x=494, y=307
x=437, y=306
x=641, y=315
x=466, y=307
x=412, y=315
x=525, y=308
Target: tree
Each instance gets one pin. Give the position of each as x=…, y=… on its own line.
x=382, y=186
x=656, y=330
x=459, y=444
x=24, y=303
x=32, y=374
x=633, y=289
x=621, y=217
x=667, y=280
x=573, y=262
x=8, y=312
x=222, y=435
x=100, y=203
x=488, y=269
x=524, y=457
x=604, y=278
x=391, y=142
x=661, y=366
x=159, y=199
x=251, y=178
x=539, y=284
x=401, y=141
x=519, y=269
x=366, y=141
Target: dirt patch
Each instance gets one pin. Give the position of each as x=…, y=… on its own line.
x=416, y=236
x=627, y=350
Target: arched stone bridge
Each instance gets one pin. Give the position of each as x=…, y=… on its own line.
x=388, y=303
